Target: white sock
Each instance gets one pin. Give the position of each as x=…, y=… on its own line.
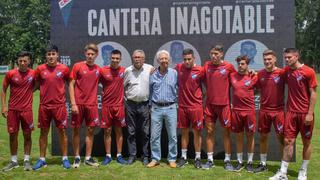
x=77, y=157
x=198, y=155
x=14, y=158
x=227, y=157
x=184, y=153
x=240, y=157
x=263, y=159
x=109, y=155
x=284, y=167
x=304, y=164
x=250, y=157
x=64, y=158
x=42, y=158
x=210, y=156
x=118, y=155
x=88, y=157
x=26, y=157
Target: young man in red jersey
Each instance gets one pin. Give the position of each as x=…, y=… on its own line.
x=21, y=82
x=243, y=111
x=83, y=89
x=302, y=96
x=190, y=111
x=113, y=105
x=51, y=78
x=217, y=82
x=271, y=84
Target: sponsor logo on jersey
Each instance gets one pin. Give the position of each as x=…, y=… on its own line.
x=121, y=74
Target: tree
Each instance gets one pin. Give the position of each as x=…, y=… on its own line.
x=307, y=30
x=24, y=25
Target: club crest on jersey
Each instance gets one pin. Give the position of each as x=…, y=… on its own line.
x=276, y=79
x=121, y=75
x=59, y=74
x=194, y=76
x=223, y=71
x=247, y=82
x=30, y=79
x=299, y=77
x=97, y=73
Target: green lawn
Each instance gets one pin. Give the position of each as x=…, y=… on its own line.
x=137, y=171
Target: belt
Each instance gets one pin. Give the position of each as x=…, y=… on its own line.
x=135, y=102
x=163, y=104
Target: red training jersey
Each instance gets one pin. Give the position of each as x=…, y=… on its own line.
x=52, y=84
x=299, y=83
x=21, y=89
x=243, y=91
x=189, y=82
x=86, y=83
x=217, y=82
x=113, y=87
x=271, y=85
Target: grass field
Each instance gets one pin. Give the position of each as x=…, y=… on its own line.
x=137, y=171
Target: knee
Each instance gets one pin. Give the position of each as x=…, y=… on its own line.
x=107, y=132
x=44, y=132
x=288, y=142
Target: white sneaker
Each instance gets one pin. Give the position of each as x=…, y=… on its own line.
x=279, y=176
x=302, y=174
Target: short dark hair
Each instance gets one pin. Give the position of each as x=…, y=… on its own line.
x=23, y=54
x=242, y=57
x=51, y=48
x=116, y=51
x=187, y=51
x=291, y=50
x=217, y=47
x=269, y=52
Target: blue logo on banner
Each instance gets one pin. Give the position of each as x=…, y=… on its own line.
x=65, y=8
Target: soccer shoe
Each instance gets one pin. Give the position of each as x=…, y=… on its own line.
x=106, y=160
x=121, y=161
x=302, y=174
x=10, y=166
x=228, y=166
x=209, y=164
x=39, y=164
x=249, y=167
x=197, y=163
x=27, y=166
x=239, y=166
x=261, y=168
x=76, y=163
x=66, y=164
x=182, y=162
x=153, y=163
x=91, y=162
x=279, y=176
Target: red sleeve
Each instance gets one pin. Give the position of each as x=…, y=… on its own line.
x=66, y=73
x=6, y=80
x=37, y=73
x=202, y=74
x=312, y=79
x=254, y=80
x=74, y=71
x=231, y=68
x=258, y=80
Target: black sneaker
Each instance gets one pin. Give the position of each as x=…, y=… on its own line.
x=239, y=166
x=261, y=168
x=197, y=163
x=145, y=161
x=228, y=166
x=209, y=164
x=182, y=162
x=249, y=167
x=131, y=160
x=91, y=162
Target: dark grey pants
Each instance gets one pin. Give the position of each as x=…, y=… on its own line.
x=138, y=121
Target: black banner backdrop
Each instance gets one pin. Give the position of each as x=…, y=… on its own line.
x=242, y=26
